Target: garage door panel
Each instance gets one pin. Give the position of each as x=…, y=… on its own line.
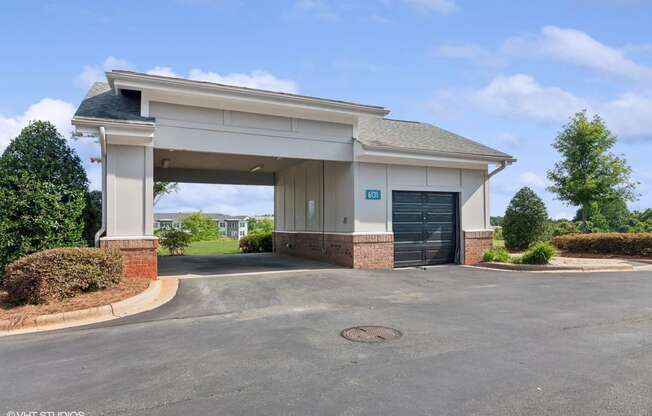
x=407, y=197
x=407, y=236
x=425, y=227
x=403, y=217
x=439, y=198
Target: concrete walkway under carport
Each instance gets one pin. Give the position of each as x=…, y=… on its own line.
x=232, y=264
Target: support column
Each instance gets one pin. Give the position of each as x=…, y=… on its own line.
x=129, y=203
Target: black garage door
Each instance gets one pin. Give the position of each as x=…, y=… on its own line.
x=425, y=227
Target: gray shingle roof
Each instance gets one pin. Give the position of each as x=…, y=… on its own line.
x=101, y=101
x=424, y=137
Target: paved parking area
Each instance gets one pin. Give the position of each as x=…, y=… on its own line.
x=220, y=264
x=476, y=342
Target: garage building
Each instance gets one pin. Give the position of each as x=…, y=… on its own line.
x=351, y=186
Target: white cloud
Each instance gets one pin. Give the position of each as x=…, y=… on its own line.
x=256, y=79
x=95, y=73
x=509, y=185
x=514, y=96
x=56, y=111
x=471, y=52
x=225, y=199
x=578, y=48
x=164, y=71
x=532, y=180
x=320, y=8
x=437, y=6
x=521, y=96
x=59, y=113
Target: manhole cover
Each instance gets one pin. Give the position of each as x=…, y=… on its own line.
x=371, y=333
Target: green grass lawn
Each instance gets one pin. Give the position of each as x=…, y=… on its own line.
x=202, y=248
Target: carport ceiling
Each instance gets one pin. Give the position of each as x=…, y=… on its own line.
x=219, y=161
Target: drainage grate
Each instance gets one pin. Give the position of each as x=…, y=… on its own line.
x=371, y=333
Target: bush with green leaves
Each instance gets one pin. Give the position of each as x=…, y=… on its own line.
x=61, y=273
x=259, y=242
x=538, y=253
x=497, y=254
x=630, y=244
x=43, y=191
x=200, y=226
x=175, y=240
x=525, y=220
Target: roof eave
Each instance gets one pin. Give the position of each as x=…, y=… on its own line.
x=144, y=81
x=453, y=155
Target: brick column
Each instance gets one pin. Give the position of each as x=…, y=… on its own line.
x=373, y=251
x=139, y=255
x=475, y=244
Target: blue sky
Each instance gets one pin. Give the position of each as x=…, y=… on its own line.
x=505, y=73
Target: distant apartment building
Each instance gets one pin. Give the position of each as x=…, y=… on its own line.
x=229, y=226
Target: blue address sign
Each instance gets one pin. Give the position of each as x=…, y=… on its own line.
x=372, y=194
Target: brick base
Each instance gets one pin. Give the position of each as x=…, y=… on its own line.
x=360, y=251
x=139, y=256
x=475, y=244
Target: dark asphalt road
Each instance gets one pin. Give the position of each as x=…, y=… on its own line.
x=475, y=342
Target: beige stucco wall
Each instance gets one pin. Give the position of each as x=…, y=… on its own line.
x=129, y=189
x=345, y=185
x=376, y=215
x=305, y=192
x=236, y=132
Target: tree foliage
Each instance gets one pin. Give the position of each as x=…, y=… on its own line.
x=589, y=175
x=43, y=189
x=200, y=226
x=263, y=225
x=164, y=188
x=525, y=220
x=92, y=216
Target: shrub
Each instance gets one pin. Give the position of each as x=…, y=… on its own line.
x=631, y=244
x=175, y=240
x=43, y=190
x=525, y=220
x=496, y=254
x=562, y=227
x=256, y=243
x=201, y=227
x=538, y=253
x=61, y=273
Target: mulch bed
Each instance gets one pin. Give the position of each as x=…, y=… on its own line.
x=127, y=288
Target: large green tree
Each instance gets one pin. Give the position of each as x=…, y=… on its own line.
x=589, y=175
x=43, y=191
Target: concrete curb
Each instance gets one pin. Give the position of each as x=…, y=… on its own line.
x=549, y=268
x=157, y=293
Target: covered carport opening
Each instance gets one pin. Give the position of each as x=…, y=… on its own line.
x=226, y=169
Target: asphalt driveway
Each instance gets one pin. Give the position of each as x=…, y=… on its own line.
x=475, y=342
x=220, y=264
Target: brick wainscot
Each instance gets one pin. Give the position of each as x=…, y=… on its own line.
x=360, y=251
x=139, y=255
x=475, y=244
